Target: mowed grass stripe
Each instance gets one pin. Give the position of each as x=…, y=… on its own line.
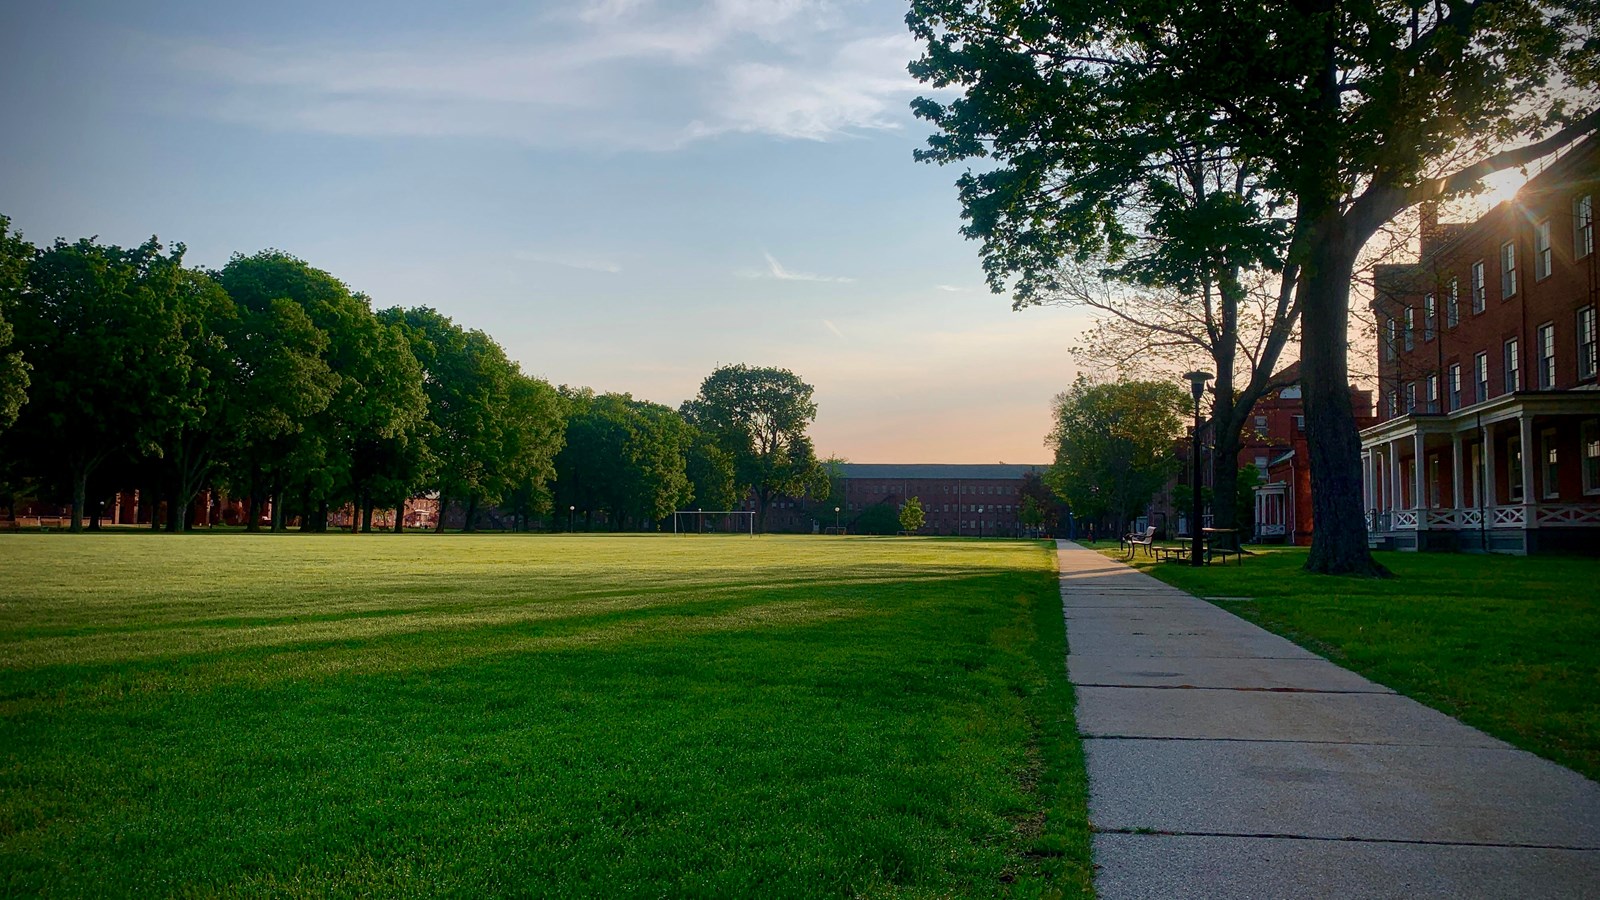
x=542, y=715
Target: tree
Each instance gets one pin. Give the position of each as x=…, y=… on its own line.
x=16, y=255
x=758, y=417
x=535, y=427
x=98, y=323
x=624, y=456
x=911, y=516
x=1114, y=445
x=204, y=411
x=1346, y=114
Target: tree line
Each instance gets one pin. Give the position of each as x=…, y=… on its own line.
x=122, y=368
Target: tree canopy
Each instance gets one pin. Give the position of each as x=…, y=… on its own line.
x=1340, y=115
x=1113, y=445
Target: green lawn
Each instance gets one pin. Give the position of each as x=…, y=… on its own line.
x=545, y=715
x=1508, y=644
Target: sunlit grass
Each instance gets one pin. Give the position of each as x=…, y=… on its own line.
x=545, y=715
x=1508, y=644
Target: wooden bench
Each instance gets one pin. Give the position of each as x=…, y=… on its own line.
x=1134, y=540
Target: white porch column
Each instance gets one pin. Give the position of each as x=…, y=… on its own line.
x=1455, y=471
x=1489, y=498
x=1419, y=492
x=1366, y=481
x=1525, y=423
x=1397, y=494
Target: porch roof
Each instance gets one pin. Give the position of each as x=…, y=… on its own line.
x=1505, y=408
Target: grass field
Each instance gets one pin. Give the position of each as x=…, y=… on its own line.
x=1508, y=644
x=549, y=715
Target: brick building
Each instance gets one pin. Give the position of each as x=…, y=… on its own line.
x=963, y=500
x=1488, y=432
x=1283, y=499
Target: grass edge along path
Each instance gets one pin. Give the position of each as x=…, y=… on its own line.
x=1509, y=645
x=338, y=715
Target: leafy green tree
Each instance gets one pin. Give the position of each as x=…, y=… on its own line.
x=1344, y=115
x=912, y=516
x=204, y=409
x=1113, y=445
x=879, y=518
x=16, y=255
x=710, y=471
x=758, y=417
x=535, y=427
x=99, y=325
x=626, y=457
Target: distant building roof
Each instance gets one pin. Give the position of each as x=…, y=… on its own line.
x=938, y=470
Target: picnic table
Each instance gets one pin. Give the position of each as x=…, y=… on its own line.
x=1215, y=542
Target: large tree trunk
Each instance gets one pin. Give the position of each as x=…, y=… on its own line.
x=1339, y=531
x=1225, y=478
x=278, y=518
x=80, y=491
x=438, y=525
x=252, y=513
x=400, y=518
x=366, y=516
x=470, y=525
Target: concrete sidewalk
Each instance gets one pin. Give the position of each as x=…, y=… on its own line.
x=1224, y=761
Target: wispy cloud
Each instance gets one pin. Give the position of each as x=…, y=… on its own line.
x=777, y=270
x=624, y=74
x=832, y=327
x=588, y=264
x=951, y=288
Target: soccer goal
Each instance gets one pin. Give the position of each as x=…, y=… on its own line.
x=714, y=521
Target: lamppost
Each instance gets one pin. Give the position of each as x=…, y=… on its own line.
x=980, y=523
x=836, y=520
x=1197, y=388
x=572, y=518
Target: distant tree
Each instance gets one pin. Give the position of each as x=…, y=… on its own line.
x=16, y=255
x=624, y=456
x=204, y=411
x=1046, y=505
x=710, y=471
x=879, y=518
x=911, y=516
x=758, y=417
x=99, y=325
x=1030, y=513
x=1113, y=445
x=535, y=428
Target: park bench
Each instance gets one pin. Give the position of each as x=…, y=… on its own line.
x=1217, y=542
x=1136, y=539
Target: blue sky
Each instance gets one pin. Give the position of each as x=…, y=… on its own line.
x=623, y=193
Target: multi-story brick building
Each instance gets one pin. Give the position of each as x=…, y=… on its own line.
x=1488, y=433
x=964, y=500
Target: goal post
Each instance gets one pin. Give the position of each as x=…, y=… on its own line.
x=714, y=521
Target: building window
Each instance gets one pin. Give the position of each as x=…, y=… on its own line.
x=1508, y=269
x=1589, y=438
x=1513, y=372
x=1514, y=468
x=1547, y=356
x=1550, y=474
x=1455, y=386
x=1541, y=250
x=1389, y=345
x=1411, y=327
x=1587, y=362
x=1411, y=396
x=1452, y=312
x=1434, y=500
x=1428, y=314
x=1582, y=226
x=1480, y=292
x=1433, y=393
x=1480, y=368
x=1394, y=402
x=1299, y=423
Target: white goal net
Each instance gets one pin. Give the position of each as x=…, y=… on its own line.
x=714, y=521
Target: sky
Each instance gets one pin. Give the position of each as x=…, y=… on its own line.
x=624, y=193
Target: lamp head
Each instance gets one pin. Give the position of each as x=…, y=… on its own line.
x=1197, y=383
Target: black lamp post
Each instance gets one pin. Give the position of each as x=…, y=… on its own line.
x=1197, y=388
x=572, y=518
x=980, y=523
x=836, y=520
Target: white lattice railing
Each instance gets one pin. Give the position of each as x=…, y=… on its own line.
x=1272, y=529
x=1404, y=519
x=1568, y=514
x=1508, y=517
